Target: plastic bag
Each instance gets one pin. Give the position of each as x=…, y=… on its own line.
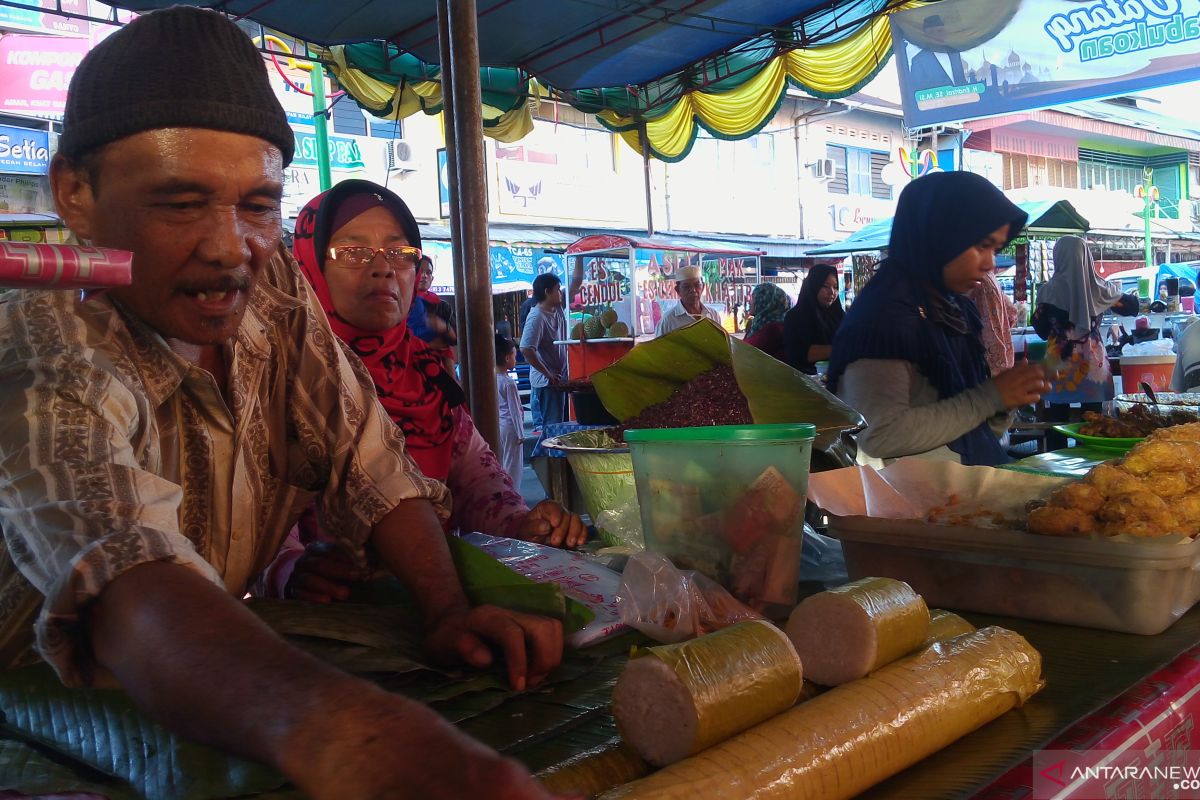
x=671, y=605
x=822, y=559
x=582, y=580
x=1154, y=347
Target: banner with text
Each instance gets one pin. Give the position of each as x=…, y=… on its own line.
x=964, y=59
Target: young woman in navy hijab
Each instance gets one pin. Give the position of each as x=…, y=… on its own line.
x=908, y=355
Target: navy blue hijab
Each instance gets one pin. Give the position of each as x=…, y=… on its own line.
x=906, y=313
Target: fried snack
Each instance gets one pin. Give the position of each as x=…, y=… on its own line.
x=1154, y=491
x=1055, y=521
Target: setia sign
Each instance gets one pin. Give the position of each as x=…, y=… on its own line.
x=24, y=151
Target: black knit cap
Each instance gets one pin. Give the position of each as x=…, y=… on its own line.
x=176, y=68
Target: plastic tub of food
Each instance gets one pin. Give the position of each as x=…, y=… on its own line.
x=604, y=471
x=1132, y=586
x=727, y=501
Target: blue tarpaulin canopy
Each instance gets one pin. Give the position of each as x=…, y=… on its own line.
x=567, y=43
x=1049, y=216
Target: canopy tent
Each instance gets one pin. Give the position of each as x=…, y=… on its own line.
x=601, y=243
x=1053, y=216
x=669, y=68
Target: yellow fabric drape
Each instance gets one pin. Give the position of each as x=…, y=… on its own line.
x=829, y=70
x=406, y=99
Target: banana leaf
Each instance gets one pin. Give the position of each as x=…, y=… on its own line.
x=653, y=370
x=103, y=729
x=29, y=770
x=486, y=580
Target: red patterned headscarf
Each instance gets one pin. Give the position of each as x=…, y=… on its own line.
x=412, y=385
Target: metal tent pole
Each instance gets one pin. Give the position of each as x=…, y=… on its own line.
x=456, y=249
x=644, y=140
x=472, y=195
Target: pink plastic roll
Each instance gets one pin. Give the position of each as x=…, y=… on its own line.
x=26, y=265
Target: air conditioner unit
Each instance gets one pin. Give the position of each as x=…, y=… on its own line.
x=400, y=156
x=823, y=169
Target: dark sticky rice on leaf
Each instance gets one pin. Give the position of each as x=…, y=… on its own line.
x=710, y=398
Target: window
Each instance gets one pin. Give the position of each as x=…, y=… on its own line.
x=385, y=128
x=1117, y=178
x=348, y=119
x=858, y=172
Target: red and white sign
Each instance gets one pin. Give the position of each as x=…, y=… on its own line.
x=35, y=72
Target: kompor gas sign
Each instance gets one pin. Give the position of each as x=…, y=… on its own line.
x=23, y=151
x=35, y=72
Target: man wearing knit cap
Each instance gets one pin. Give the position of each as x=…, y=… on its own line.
x=158, y=441
x=689, y=287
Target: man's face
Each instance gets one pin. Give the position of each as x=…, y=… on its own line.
x=198, y=208
x=689, y=292
x=554, y=297
x=425, y=278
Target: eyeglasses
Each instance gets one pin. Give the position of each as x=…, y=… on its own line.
x=401, y=256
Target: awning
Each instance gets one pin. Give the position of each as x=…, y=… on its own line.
x=1054, y=216
x=507, y=234
x=608, y=241
x=672, y=66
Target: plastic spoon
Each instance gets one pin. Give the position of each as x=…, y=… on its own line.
x=1145, y=387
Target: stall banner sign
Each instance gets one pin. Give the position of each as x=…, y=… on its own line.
x=25, y=194
x=24, y=151
x=1129, y=748
x=728, y=282
x=965, y=59
x=607, y=283
x=29, y=19
x=344, y=152
x=513, y=266
x=443, y=180
x=35, y=72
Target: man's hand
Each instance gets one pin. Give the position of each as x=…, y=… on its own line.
x=393, y=748
x=531, y=645
x=324, y=574
x=551, y=524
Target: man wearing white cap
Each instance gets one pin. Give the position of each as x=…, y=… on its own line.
x=689, y=286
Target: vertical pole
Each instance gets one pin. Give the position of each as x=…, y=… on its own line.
x=320, y=124
x=456, y=249
x=1148, y=205
x=472, y=191
x=644, y=141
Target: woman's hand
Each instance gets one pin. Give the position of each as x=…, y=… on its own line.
x=323, y=574
x=551, y=524
x=1021, y=385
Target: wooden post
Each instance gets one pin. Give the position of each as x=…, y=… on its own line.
x=472, y=196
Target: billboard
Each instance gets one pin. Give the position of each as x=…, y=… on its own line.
x=35, y=72
x=965, y=59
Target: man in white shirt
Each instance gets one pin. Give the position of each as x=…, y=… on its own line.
x=689, y=286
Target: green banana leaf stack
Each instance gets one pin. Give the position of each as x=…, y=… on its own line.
x=55, y=740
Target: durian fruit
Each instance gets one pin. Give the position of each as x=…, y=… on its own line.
x=618, y=330
x=608, y=317
x=594, y=328
x=578, y=331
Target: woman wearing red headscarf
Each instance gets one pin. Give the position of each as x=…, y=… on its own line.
x=359, y=247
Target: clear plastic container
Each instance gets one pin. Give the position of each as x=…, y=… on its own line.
x=727, y=501
x=1118, y=585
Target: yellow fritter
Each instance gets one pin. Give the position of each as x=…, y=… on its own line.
x=1058, y=521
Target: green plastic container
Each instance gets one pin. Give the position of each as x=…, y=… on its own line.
x=727, y=501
